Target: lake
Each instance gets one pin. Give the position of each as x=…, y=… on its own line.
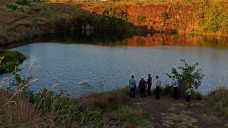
x=108, y=62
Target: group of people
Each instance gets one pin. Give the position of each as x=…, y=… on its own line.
x=147, y=84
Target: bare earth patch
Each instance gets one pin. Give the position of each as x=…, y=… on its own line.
x=167, y=112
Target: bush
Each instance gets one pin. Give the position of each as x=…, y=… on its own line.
x=216, y=20
x=108, y=101
x=141, y=19
x=196, y=95
x=62, y=25
x=83, y=20
x=11, y=59
x=12, y=6
x=112, y=17
x=164, y=16
x=167, y=90
x=188, y=74
x=218, y=100
x=23, y=2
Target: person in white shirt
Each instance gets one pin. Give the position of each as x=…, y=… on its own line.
x=132, y=84
x=158, y=85
x=175, y=86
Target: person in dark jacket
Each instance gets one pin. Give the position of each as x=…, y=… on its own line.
x=142, y=87
x=149, y=84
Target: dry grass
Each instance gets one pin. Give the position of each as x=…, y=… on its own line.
x=16, y=112
x=218, y=100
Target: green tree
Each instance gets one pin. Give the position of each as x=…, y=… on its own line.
x=187, y=74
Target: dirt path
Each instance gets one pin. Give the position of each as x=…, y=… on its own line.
x=167, y=112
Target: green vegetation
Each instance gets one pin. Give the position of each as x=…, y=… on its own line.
x=218, y=100
x=216, y=20
x=64, y=111
x=141, y=19
x=168, y=119
x=11, y=59
x=187, y=74
x=12, y=6
x=164, y=16
x=23, y=2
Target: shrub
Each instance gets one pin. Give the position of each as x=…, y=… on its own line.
x=216, y=20
x=108, y=101
x=141, y=19
x=11, y=59
x=12, y=6
x=83, y=20
x=218, y=100
x=23, y=2
x=188, y=74
x=196, y=95
x=164, y=16
x=167, y=90
x=112, y=17
x=62, y=25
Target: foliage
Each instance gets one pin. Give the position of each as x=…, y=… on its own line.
x=11, y=59
x=129, y=117
x=188, y=74
x=196, y=95
x=164, y=16
x=184, y=119
x=113, y=17
x=167, y=90
x=218, y=100
x=23, y=2
x=62, y=25
x=216, y=20
x=108, y=101
x=141, y=19
x=12, y=6
x=47, y=102
x=114, y=12
x=83, y=19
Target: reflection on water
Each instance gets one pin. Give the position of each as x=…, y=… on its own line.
x=108, y=61
x=145, y=40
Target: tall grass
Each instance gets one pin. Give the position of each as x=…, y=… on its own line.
x=218, y=100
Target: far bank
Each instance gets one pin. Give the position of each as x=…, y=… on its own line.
x=22, y=21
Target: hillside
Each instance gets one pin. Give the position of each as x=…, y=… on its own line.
x=26, y=20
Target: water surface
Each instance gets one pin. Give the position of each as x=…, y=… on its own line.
x=108, y=65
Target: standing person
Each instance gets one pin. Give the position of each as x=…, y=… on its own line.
x=132, y=84
x=158, y=85
x=142, y=86
x=149, y=83
x=188, y=96
x=175, y=86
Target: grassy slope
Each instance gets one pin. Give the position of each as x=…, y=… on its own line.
x=218, y=100
x=26, y=21
x=46, y=109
